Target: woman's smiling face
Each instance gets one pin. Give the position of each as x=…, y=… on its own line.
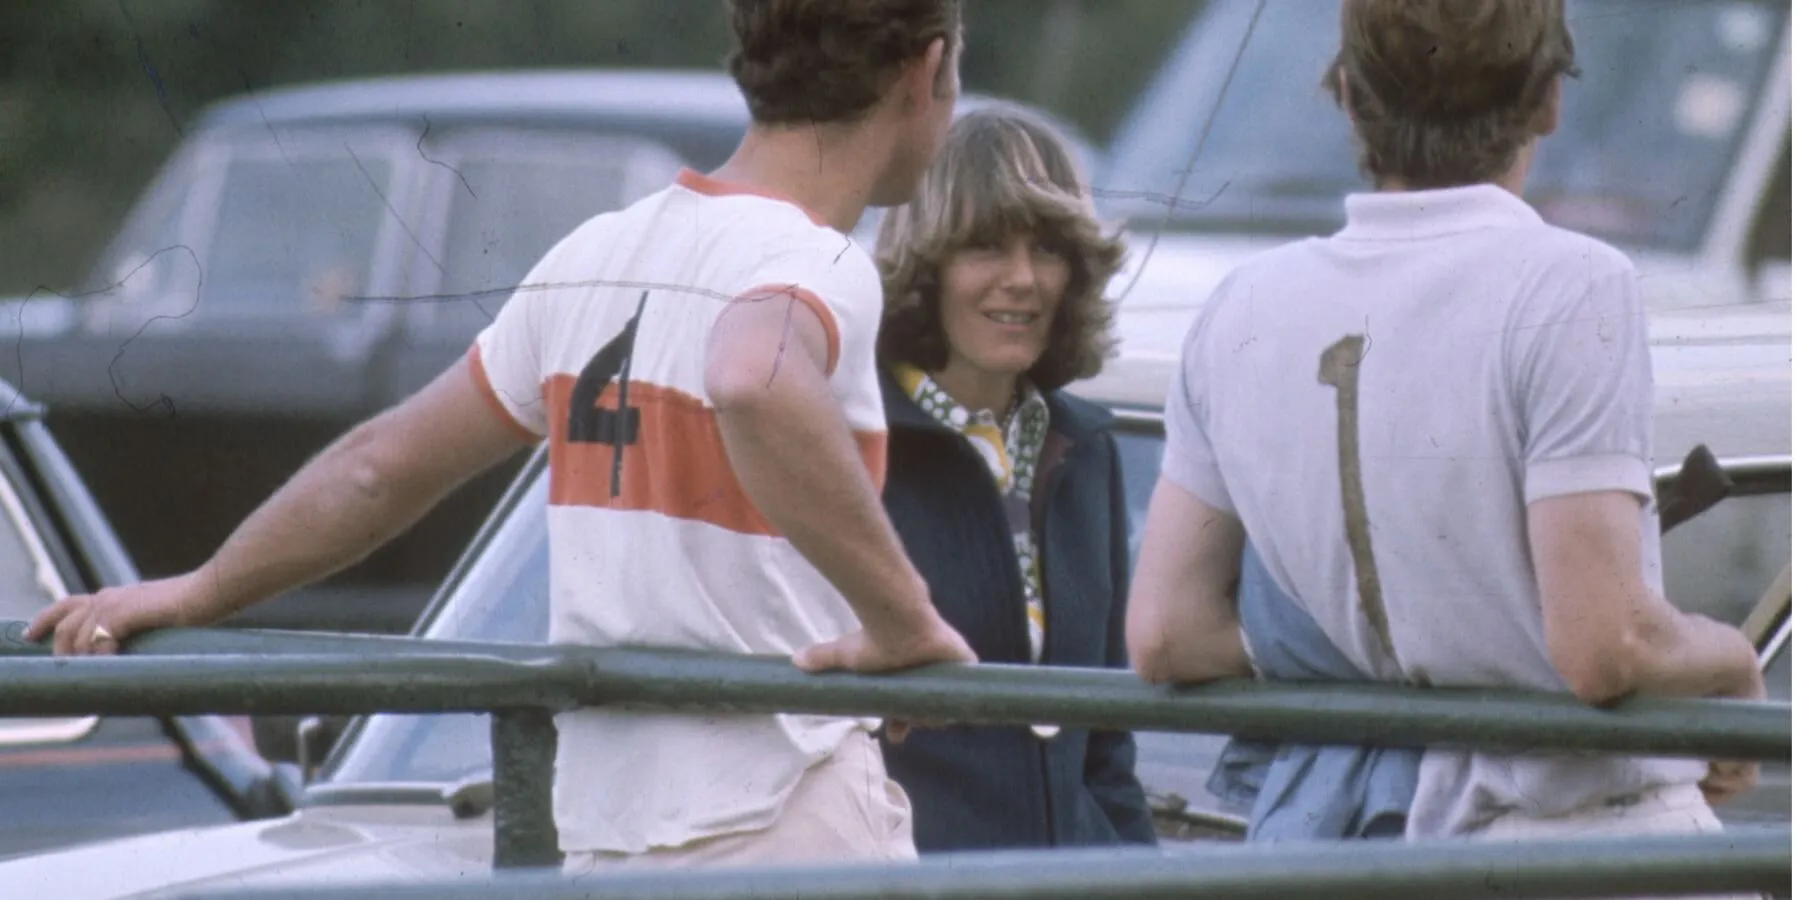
x=999, y=298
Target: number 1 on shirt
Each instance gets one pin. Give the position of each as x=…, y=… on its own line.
x=1339, y=366
x=617, y=427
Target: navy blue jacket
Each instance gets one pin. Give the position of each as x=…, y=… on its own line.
x=993, y=787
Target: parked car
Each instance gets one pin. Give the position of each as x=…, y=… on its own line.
x=1674, y=145
x=406, y=796
x=311, y=255
x=69, y=780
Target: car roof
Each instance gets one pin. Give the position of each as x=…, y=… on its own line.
x=537, y=94
x=676, y=97
x=534, y=95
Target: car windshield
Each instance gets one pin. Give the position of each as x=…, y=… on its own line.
x=1682, y=78
x=257, y=222
x=503, y=596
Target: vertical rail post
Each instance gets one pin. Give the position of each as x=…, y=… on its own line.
x=524, y=745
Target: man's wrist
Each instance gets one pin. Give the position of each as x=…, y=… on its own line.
x=906, y=618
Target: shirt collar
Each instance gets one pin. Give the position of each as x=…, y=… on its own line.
x=1406, y=215
x=919, y=387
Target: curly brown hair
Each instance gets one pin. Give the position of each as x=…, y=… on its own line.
x=1444, y=92
x=826, y=61
x=1003, y=171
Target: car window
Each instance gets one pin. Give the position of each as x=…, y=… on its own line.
x=151, y=264
x=1684, y=78
x=1778, y=675
x=1140, y=454
x=1722, y=562
x=504, y=596
x=295, y=233
x=513, y=197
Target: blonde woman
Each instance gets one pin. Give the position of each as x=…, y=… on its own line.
x=1006, y=490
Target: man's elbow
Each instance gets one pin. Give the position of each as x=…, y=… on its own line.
x=1604, y=672
x=1600, y=682
x=1152, y=656
x=1152, y=665
x=371, y=460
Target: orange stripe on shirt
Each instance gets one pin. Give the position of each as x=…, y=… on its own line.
x=485, y=388
x=675, y=465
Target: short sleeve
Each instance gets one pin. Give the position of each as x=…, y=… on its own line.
x=1188, y=458
x=840, y=287
x=506, y=365
x=1585, y=388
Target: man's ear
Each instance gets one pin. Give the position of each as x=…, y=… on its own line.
x=1544, y=122
x=1343, y=94
x=921, y=77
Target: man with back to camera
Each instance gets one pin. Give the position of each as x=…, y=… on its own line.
x=1434, y=428
x=702, y=366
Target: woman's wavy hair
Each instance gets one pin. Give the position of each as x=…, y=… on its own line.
x=1003, y=171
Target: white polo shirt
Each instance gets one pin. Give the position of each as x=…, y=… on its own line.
x=1442, y=361
x=653, y=541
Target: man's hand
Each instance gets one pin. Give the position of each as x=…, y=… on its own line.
x=859, y=651
x=88, y=624
x=1727, y=778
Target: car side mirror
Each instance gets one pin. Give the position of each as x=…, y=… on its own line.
x=302, y=740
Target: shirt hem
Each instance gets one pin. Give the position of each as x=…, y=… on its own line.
x=1582, y=474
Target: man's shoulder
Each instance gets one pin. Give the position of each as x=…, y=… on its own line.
x=1277, y=264
x=821, y=260
x=1562, y=251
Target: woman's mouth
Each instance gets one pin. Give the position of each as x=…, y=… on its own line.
x=1012, y=318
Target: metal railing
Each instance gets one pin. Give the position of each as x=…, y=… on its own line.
x=178, y=672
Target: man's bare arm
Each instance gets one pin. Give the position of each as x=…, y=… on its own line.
x=1181, y=623
x=1609, y=634
x=362, y=491
x=793, y=452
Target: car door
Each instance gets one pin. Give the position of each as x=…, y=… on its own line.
x=249, y=282
x=68, y=780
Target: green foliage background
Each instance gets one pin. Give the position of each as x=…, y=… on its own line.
x=94, y=94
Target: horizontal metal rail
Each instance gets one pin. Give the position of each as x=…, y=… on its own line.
x=1360, y=870
x=219, y=671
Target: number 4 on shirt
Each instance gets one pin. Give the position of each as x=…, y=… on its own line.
x=589, y=423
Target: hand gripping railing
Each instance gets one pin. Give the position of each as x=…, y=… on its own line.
x=180, y=672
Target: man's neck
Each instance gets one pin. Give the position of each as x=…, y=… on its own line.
x=1512, y=180
x=831, y=172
